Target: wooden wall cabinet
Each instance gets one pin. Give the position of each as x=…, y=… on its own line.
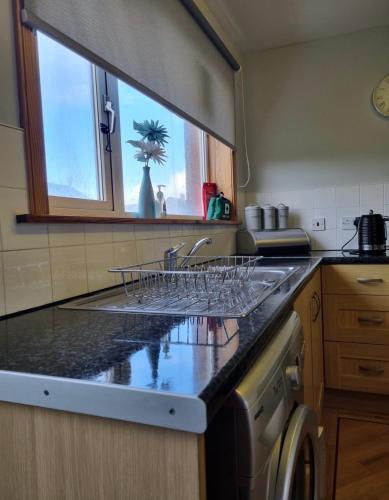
x=308, y=306
x=356, y=327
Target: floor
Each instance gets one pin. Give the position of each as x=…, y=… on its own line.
x=357, y=431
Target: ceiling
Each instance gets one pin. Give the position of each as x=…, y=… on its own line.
x=262, y=24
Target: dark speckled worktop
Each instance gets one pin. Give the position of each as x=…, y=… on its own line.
x=154, y=353
x=345, y=257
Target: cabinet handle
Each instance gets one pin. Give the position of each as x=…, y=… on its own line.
x=375, y=321
x=368, y=281
x=369, y=369
x=316, y=306
x=317, y=298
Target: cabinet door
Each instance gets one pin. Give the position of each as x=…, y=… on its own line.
x=309, y=307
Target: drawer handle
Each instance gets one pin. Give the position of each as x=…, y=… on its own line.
x=368, y=281
x=369, y=369
x=375, y=321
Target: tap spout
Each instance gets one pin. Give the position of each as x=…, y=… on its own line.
x=194, y=250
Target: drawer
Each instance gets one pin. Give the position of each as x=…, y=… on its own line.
x=356, y=279
x=356, y=318
x=357, y=367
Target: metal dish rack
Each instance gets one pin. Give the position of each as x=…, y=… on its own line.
x=217, y=286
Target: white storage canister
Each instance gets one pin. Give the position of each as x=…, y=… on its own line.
x=253, y=216
x=269, y=217
x=283, y=216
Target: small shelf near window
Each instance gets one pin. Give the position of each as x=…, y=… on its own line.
x=66, y=219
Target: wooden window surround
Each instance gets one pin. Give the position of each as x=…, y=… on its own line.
x=221, y=158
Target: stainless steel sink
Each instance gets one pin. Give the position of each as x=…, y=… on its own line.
x=228, y=287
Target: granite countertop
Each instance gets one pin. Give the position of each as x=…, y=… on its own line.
x=145, y=356
x=345, y=257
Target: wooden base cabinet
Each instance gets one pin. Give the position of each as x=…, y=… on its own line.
x=356, y=327
x=54, y=455
x=308, y=306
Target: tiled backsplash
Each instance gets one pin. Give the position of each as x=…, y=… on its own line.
x=43, y=263
x=332, y=203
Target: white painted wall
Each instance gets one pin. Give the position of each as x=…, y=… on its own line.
x=315, y=143
x=309, y=115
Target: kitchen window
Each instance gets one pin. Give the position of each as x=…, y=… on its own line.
x=76, y=169
x=90, y=169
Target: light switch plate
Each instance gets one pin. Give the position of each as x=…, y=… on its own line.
x=319, y=224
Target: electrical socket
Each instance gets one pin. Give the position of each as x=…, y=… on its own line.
x=348, y=223
x=319, y=224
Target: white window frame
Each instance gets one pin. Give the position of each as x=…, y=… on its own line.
x=59, y=205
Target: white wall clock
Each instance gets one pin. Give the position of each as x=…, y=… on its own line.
x=380, y=97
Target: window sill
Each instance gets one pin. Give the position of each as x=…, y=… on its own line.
x=71, y=219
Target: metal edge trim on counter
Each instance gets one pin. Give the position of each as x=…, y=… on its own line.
x=179, y=412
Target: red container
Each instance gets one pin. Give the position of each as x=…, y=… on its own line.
x=209, y=190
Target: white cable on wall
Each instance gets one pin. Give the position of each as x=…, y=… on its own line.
x=245, y=184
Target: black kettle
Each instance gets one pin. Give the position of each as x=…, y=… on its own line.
x=371, y=233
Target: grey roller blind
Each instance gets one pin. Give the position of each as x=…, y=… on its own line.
x=152, y=43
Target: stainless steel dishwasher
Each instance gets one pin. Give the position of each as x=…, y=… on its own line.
x=263, y=444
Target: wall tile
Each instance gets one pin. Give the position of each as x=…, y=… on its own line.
x=68, y=270
x=12, y=163
x=371, y=194
x=324, y=240
x=347, y=196
x=27, y=279
x=324, y=198
x=123, y=232
x=302, y=218
x=124, y=254
x=224, y=244
x=344, y=236
x=2, y=296
x=66, y=234
x=151, y=231
x=146, y=251
x=19, y=236
x=188, y=229
x=175, y=230
x=204, y=232
x=99, y=259
x=230, y=243
x=386, y=193
x=98, y=233
x=251, y=198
